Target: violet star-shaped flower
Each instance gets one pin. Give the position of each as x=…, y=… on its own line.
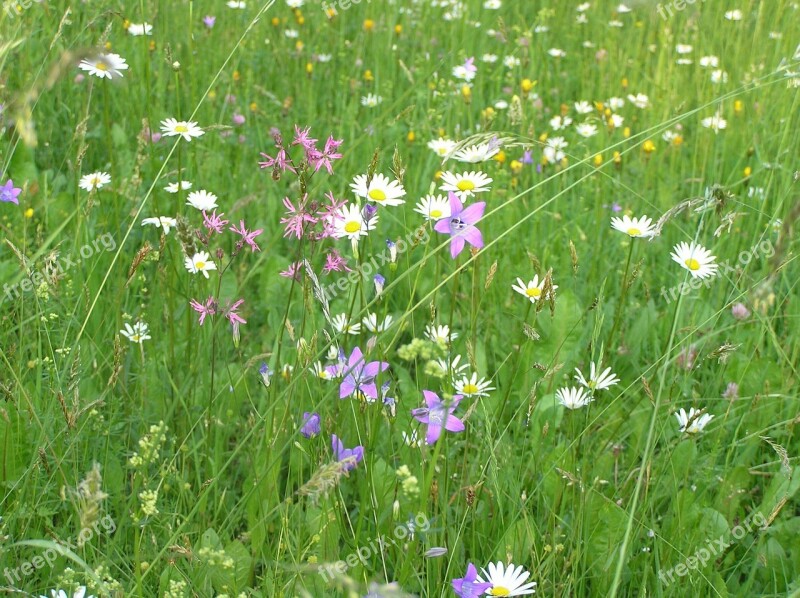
x=461, y=224
x=438, y=415
x=350, y=457
x=10, y=193
x=468, y=586
x=311, y=425
x=360, y=376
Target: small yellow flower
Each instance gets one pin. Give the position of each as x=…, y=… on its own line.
x=543, y=137
x=299, y=45
x=441, y=132
x=626, y=132
x=466, y=91
x=599, y=106
x=438, y=175
x=607, y=112
x=617, y=158
x=500, y=156
x=488, y=113
x=330, y=12
x=125, y=24
x=253, y=106
x=738, y=106
x=648, y=147
x=369, y=24
x=107, y=45
x=212, y=94
x=527, y=85
x=368, y=75
x=747, y=171
x=309, y=68
x=152, y=45
x=516, y=166
x=398, y=29
x=411, y=137
x=298, y=16
x=275, y=21
x=236, y=75
x=564, y=110
x=598, y=160
x=677, y=140
x=29, y=213
x=624, y=83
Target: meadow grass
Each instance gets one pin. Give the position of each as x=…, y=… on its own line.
x=183, y=464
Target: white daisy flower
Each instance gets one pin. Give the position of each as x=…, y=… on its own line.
x=371, y=323
x=202, y=200
x=586, y=130
x=556, y=52
x=716, y=123
x=734, y=15
x=433, y=207
x=441, y=146
x=295, y=3
x=694, y=422
x=138, y=333
x=371, y=100
x=463, y=73
x=350, y=223
x=554, y=149
x=639, y=100
x=200, y=262
x=96, y=180
x=511, y=61
x=186, y=129
x=163, y=222
x=180, y=185
x=560, y=122
x=381, y=190
x=615, y=103
x=583, y=107
x=532, y=290
x=696, y=259
x=492, y=4
x=489, y=58
x=473, y=386
x=573, y=398
x=683, y=49
x=507, y=581
x=477, y=153
x=341, y=323
x=137, y=29
x=238, y=5
x=440, y=334
x=719, y=76
x=452, y=366
x=615, y=121
x=319, y=371
x=709, y=62
x=597, y=380
x=621, y=9
x=104, y=66
x=465, y=184
x=633, y=227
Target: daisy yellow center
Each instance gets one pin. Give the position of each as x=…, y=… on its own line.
x=95, y=180
x=436, y=213
x=200, y=265
x=471, y=389
x=465, y=185
x=181, y=129
x=499, y=591
x=352, y=227
x=533, y=292
x=592, y=384
x=634, y=232
x=442, y=151
x=101, y=66
x=692, y=264
x=136, y=338
x=377, y=195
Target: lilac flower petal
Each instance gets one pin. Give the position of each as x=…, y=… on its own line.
x=370, y=390
x=431, y=398
x=434, y=431
x=473, y=213
x=455, y=204
x=453, y=424
x=347, y=387
x=473, y=236
x=443, y=226
x=456, y=246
